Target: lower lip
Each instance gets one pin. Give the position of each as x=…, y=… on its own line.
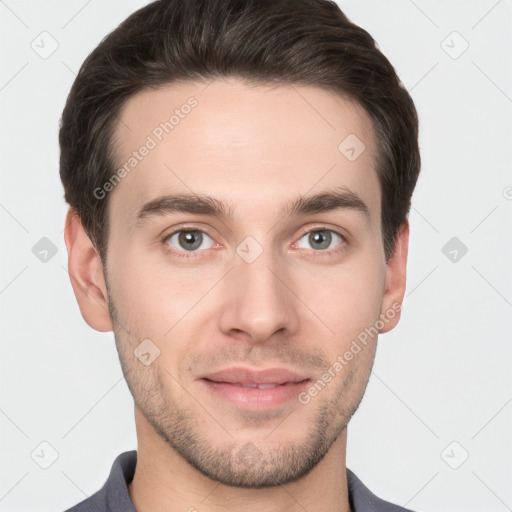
x=254, y=398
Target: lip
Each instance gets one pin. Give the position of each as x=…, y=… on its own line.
x=246, y=376
x=228, y=385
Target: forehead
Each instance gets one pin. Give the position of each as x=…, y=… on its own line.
x=251, y=146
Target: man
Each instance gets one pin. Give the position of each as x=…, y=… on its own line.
x=274, y=140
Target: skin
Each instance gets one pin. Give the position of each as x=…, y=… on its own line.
x=255, y=148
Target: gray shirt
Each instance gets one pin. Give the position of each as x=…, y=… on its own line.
x=114, y=496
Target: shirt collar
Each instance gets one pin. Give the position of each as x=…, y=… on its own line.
x=117, y=498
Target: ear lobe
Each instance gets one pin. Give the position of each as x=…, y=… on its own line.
x=395, y=280
x=86, y=274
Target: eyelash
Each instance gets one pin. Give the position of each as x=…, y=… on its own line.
x=194, y=254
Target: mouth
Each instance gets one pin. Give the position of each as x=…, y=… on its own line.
x=253, y=386
x=255, y=390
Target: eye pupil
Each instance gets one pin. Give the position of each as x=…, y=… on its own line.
x=190, y=240
x=321, y=237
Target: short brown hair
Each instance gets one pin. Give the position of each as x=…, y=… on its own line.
x=308, y=42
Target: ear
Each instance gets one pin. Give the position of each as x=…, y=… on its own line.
x=86, y=274
x=395, y=280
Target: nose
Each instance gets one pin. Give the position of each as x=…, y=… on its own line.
x=258, y=302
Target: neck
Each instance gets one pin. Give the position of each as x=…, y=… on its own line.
x=164, y=480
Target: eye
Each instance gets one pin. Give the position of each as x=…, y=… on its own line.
x=188, y=243
x=188, y=240
x=321, y=239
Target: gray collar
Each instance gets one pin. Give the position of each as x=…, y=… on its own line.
x=114, y=496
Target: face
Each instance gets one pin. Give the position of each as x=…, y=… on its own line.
x=235, y=313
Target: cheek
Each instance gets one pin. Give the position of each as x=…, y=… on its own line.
x=347, y=298
x=153, y=296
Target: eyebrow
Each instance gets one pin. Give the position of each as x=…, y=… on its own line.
x=343, y=199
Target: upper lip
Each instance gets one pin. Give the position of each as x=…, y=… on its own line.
x=247, y=376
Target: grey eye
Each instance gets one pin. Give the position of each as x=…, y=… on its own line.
x=321, y=239
x=188, y=240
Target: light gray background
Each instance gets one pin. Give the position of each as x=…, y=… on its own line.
x=442, y=376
